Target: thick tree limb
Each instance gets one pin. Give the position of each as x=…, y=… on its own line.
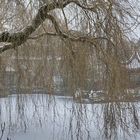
x=18, y=38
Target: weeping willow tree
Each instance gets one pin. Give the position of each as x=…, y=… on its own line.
x=81, y=41
x=84, y=42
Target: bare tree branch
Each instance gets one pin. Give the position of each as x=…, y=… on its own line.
x=19, y=38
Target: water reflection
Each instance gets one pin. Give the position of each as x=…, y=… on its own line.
x=42, y=117
x=120, y=120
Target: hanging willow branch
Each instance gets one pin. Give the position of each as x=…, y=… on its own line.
x=18, y=38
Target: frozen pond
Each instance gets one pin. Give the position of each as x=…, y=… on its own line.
x=44, y=117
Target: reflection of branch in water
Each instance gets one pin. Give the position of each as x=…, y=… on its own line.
x=74, y=120
x=2, y=130
x=120, y=120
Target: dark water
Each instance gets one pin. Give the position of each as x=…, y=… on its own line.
x=43, y=117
